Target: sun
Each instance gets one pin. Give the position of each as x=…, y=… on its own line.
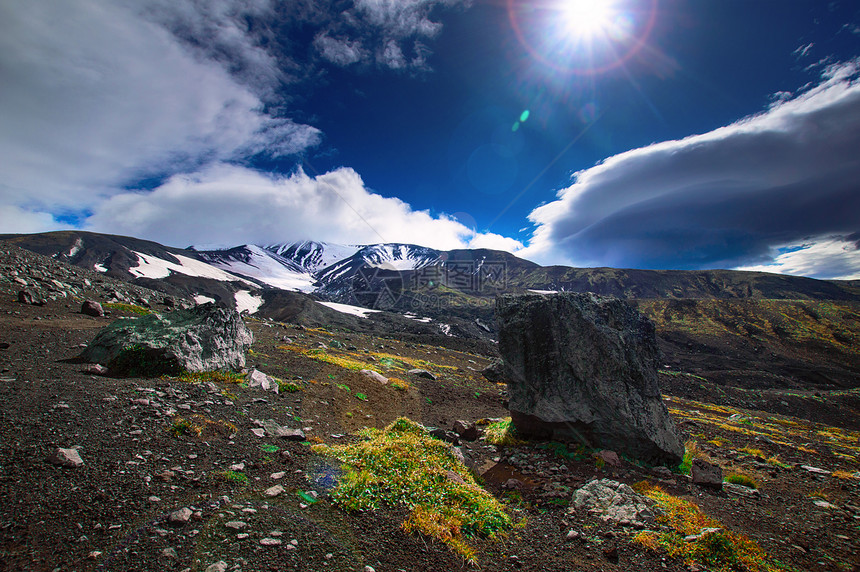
x=588, y=18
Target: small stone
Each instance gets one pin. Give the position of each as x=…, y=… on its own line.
x=169, y=553
x=375, y=376
x=242, y=536
x=278, y=475
x=236, y=524
x=467, y=431
x=271, y=541
x=154, y=499
x=572, y=535
x=423, y=373
x=180, y=517
x=258, y=431
x=95, y=369
x=219, y=566
x=814, y=470
x=369, y=569
x=610, y=457
x=273, y=491
x=66, y=458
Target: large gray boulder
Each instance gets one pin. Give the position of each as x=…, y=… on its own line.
x=583, y=368
x=203, y=338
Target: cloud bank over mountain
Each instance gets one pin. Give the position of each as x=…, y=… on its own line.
x=742, y=195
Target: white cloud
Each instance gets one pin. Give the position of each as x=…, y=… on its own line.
x=94, y=96
x=14, y=220
x=824, y=257
x=721, y=199
x=235, y=205
x=341, y=52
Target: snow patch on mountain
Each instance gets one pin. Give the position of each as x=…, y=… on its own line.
x=347, y=309
x=261, y=264
x=200, y=299
x=246, y=300
x=154, y=267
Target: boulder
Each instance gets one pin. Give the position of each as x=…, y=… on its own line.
x=611, y=500
x=92, y=308
x=583, y=368
x=203, y=338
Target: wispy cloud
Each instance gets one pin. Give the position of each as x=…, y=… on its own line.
x=803, y=51
x=726, y=198
x=235, y=205
x=391, y=34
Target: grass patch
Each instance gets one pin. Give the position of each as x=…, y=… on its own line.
x=197, y=425
x=287, y=386
x=361, y=396
x=398, y=383
x=502, y=433
x=844, y=475
x=210, y=376
x=131, y=308
x=723, y=551
x=402, y=465
x=236, y=477
x=322, y=355
x=741, y=479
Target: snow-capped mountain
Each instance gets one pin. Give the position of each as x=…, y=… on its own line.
x=395, y=257
x=312, y=256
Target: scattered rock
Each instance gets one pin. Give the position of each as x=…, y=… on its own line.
x=614, y=501
x=179, y=517
x=704, y=532
x=375, y=376
x=271, y=541
x=219, y=566
x=609, y=457
x=170, y=553
x=236, y=525
x=202, y=338
x=572, y=535
x=495, y=372
x=273, y=491
x=257, y=378
x=92, y=308
x=467, y=431
x=583, y=368
x=740, y=490
x=66, y=458
x=423, y=373
x=95, y=369
x=30, y=298
x=706, y=474
x=814, y=470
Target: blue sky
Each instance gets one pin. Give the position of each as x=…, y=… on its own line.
x=628, y=133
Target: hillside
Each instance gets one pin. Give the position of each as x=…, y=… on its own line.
x=198, y=449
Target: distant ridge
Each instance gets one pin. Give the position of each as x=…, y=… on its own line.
x=409, y=277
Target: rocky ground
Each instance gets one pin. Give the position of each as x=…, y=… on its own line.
x=178, y=475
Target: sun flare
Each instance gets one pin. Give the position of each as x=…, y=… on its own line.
x=587, y=18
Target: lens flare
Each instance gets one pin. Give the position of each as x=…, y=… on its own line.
x=585, y=37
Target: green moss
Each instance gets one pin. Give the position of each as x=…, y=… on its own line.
x=402, y=465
